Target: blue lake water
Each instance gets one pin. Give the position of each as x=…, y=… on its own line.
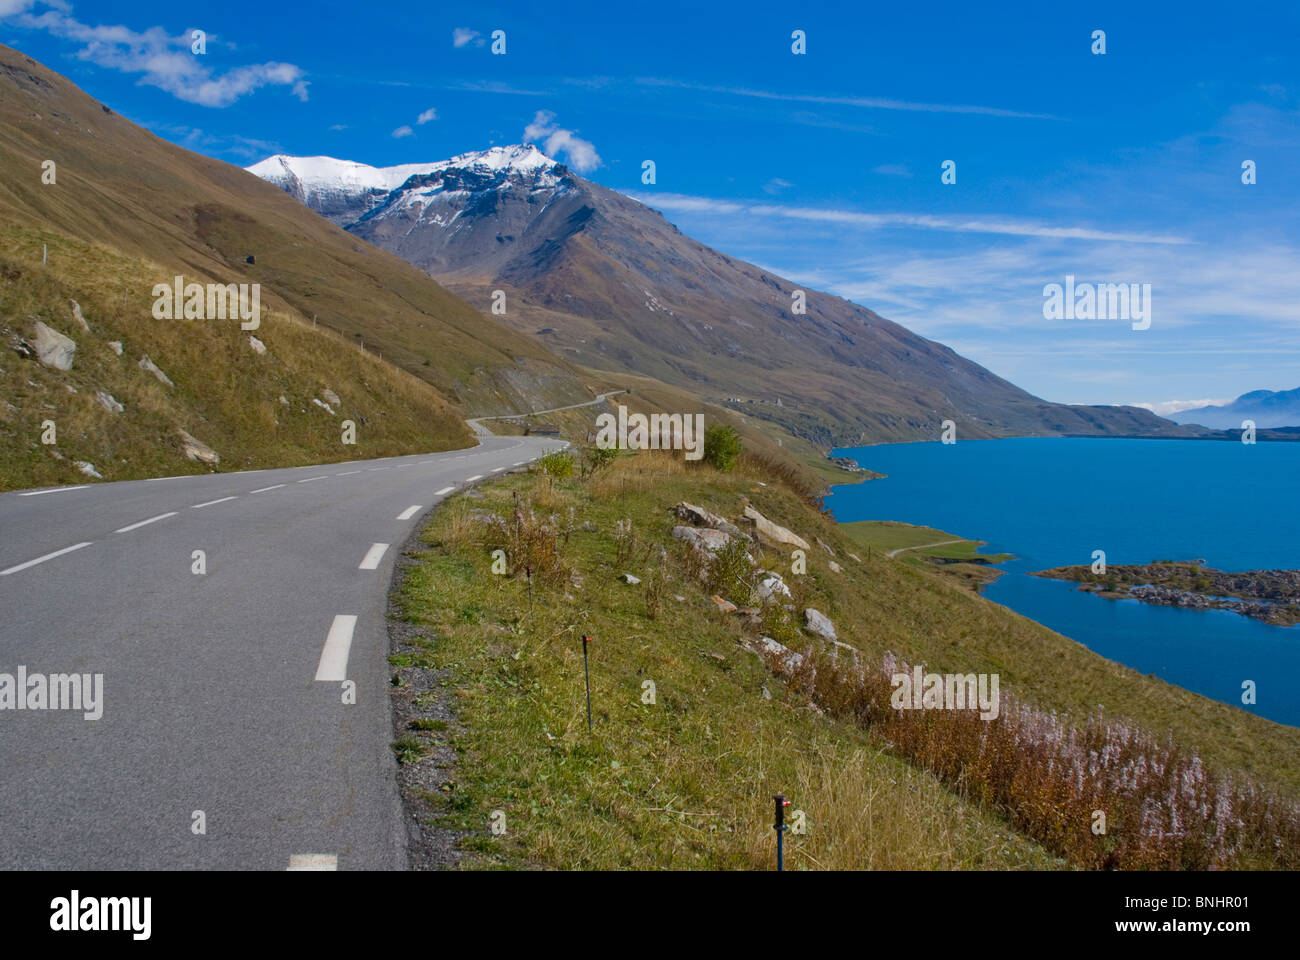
x=1052, y=502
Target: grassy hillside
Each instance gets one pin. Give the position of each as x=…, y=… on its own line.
x=223, y=392
x=123, y=189
x=687, y=781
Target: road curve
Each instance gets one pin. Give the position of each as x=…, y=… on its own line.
x=211, y=699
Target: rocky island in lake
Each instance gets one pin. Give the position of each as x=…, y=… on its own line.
x=1269, y=595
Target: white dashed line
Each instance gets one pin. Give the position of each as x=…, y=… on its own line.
x=211, y=502
x=409, y=512
x=310, y=479
x=313, y=861
x=347, y=473
x=333, y=664
x=48, y=556
x=145, y=523
x=477, y=476
x=373, y=556
x=373, y=469
x=444, y=491
x=264, y=489
x=37, y=493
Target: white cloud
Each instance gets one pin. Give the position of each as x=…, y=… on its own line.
x=464, y=35
x=776, y=185
x=403, y=131
x=162, y=60
x=430, y=114
x=580, y=154
x=1004, y=226
x=1164, y=408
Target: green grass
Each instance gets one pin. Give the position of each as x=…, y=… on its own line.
x=687, y=781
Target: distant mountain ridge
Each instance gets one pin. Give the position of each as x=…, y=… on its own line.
x=1268, y=408
x=606, y=282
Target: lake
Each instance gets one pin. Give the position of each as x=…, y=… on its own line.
x=1053, y=501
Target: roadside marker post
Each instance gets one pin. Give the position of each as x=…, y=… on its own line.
x=780, y=828
x=587, y=671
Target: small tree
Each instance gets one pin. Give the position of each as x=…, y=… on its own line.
x=722, y=445
x=557, y=465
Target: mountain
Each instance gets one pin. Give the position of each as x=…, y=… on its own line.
x=1268, y=408
x=607, y=283
x=125, y=211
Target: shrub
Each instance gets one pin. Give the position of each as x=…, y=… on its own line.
x=557, y=465
x=722, y=445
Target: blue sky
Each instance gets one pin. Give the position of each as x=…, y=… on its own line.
x=824, y=167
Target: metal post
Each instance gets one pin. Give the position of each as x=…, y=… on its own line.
x=587, y=670
x=780, y=828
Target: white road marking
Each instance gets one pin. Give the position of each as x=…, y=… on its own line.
x=444, y=491
x=519, y=464
x=496, y=469
x=37, y=493
x=477, y=476
x=373, y=469
x=48, y=556
x=409, y=512
x=211, y=502
x=145, y=523
x=179, y=476
x=333, y=664
x=347, y=473
x=313, y=861
x=264, y=489
x=310, y=479
x=371, y=560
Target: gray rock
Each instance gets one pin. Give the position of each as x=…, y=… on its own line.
x=108, y=402
x=88, y=469
x=148, y=366
x=703, y=538
x=699, y=517
x=331, y=397
x=816, y=622
x=628, y=578
x=787, y=661
x=198, y=450
x=324, y=406
x=835, y=567
x=772, y=586
x=76, y=315
x=115, y=346
x=258, y=346
x=54, y=349
x=774, y=532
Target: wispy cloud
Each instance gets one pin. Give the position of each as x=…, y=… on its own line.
x=403, y=131
x=872, y=103
x=162, y=60
x=580, y=154
x=1003, y=226
x=776, y=185
x=426, y=116
x=463, y=36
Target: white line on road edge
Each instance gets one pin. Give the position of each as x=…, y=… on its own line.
x=333, y=664
x=409, y=512
x=211, y=502
x=347, y=473
x=497, y=469
x=323, y=476
x=48, y=556
x=264, y=489
x=179, y=476
x=145, y=523
x=444, y=491
x=373, y=556
x=37, y=493
x=519, y=464
x=477, y=476
x=313, y=861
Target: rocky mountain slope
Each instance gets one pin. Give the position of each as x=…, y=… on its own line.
x=608, y=283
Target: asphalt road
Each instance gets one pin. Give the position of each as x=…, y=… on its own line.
x=222, y=691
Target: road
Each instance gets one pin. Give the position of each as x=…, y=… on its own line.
x=223, y=691
x=476, y=424
x=923, y=546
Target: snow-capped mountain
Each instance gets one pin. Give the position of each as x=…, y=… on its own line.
x=345, y=191
x=608, y=283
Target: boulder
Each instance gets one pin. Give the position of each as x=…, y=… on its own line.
x=258, y=346
x=724, y=606
x=331, y=397
x=324, y=406
x=835, y=567
x=197, y=449
x=88, y=469
x=699, y=517
x=773, y=533
x=628, y=578
x=824, y=546
x=706, y=539
x=115, y=346
x=787, y=661
x=771, y=586
x=52, y=348
x=816, y=622
x=148, y=366
x=107, y=401
x=76, y=315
